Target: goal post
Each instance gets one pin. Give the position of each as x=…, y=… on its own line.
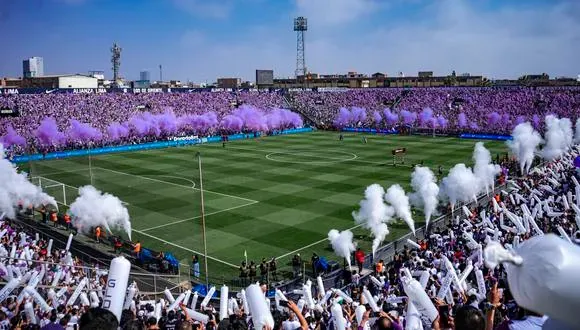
x=399, y=155
x=53, y=188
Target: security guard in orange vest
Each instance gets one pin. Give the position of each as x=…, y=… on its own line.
x=54, y=218
x=67, y=221
x=98, y=234
x=137, y=249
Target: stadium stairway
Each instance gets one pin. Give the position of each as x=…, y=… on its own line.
x=291, y=106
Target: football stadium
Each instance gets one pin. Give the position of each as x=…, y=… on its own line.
x=313, y=202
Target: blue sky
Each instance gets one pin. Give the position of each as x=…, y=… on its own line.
x=199, y=40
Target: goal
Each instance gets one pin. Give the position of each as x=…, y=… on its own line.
x=53, y=188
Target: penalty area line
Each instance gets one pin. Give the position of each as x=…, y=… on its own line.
x=186, y=249
x=198, y=216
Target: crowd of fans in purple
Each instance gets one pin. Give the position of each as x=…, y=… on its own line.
x=124, y=118
x=51, y=122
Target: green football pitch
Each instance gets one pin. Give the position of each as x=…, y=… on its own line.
x=272, y=196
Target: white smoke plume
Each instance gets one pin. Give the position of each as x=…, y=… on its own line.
x=425, y=190
x=484, y=169
x=342, y=243
x=93, y=208
x=15, y=188
x=400, y=202
x=558, y=137
x=374, y=214
x=460, y=185
x=524, y=144
x=577, y=136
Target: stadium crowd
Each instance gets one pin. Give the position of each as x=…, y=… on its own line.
x=50, y=289
x=453, y=110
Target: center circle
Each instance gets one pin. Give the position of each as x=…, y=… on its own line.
x=311, y=156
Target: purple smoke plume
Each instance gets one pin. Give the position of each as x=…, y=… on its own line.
x=344, y=118
x=232, y=123
x=441, y=121
x=409, y=118
x=473, y=125
x=462, y=120
x=168, y=122
x=48, y=134
x=282, y=119
x=493, y=118
x=12, y=138
x=82, y=132
x=358, y=115
x=199, y=124
x=117, y=131
x=519, y=120
x=390, y=117
x=254, y=119
x=144, y=124
x=425, y=117
x=537, y=121
x=377, y=117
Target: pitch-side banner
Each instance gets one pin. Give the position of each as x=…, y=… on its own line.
x=18, y=91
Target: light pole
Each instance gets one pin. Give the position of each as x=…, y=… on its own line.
x=198, y=155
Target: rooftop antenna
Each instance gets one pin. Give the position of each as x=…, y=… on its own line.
x=116, y=61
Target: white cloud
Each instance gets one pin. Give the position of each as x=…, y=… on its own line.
x=206, y=8
x=445, y=35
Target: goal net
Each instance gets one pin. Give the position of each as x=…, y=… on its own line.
x=54, y=188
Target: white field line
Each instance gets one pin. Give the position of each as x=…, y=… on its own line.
x=197, y=217
x=312, y=244
x=174, y=184
x=291, y=152
x=68, y=185
x=186, y=249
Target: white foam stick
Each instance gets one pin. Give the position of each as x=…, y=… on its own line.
x=526, y=185
x=370, y=300
x=419, y=297
x=392, y=299
x=301, y=303
x=326, y=297
x=33, y=279
x=526, y=223
x=465, y=273
x=245, y=302
x=550, y=261
x=131, y=291
x=321, y=290
x=69, y=242
x=116, y=285
x=554, y=182
x=187, y=296
x=513, y=183
x=61, y=292
x=308, y=294
x=78, y=291
x=466, y=211
x=525, y=209
x=207, y=297
x=512, y=200
x=8, y=288
x=480, y=282
x=495, y=205
x=339, y=320
x=344, y=296
x=56, y=278
x=157, y=311
x=510, y=229
x=85, y=299
x=424, y=278
x=29, y=310
x=17, y=271
x=504, y=192
x=224, y=291
x=298, y=292
x=569, y=197
x=261, y=315
x=454, y=276
x=563, y=234
x=199, y=317
x=233, y=306
x=413, y=244
x=194, y=301
x=467, y=224
x=94, y=299
x=173, y=306
x=516, y=241
x=516, y=221
x=413, y=318
x=376, y=282
x=168, y=295
x=3, y=232
x=359, y=312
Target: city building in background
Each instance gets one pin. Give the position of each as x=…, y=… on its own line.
x=33, y=67
x=264, y=78
x=58, y=81
x=145, y=76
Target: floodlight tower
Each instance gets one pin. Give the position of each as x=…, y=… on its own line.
x=300, y=26
x=115, y=61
